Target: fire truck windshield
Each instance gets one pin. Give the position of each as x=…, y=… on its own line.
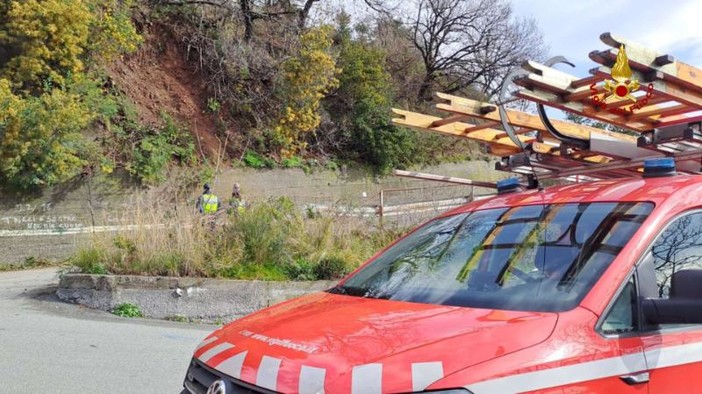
x=530, y=258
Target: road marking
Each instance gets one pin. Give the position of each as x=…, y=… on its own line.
x=79, y=230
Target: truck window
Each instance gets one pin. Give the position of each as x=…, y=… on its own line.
x=678, y=247
x=531, y=258
x=622, y=316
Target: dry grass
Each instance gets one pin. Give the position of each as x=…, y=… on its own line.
x=272, y=240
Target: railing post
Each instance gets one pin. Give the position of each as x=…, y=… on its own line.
x=381, y=207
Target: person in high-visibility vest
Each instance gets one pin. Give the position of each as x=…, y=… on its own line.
x=236, y=202
x=207, y=202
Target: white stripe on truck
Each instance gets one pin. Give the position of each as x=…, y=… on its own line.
x=312, y=380
x=208, y=355
x=267, y=376
x=367, y=379
x=424, y=374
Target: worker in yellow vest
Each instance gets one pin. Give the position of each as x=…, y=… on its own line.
x=207, y=203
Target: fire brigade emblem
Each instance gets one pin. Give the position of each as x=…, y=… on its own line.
x=622, y=86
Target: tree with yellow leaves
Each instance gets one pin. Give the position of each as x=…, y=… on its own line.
x=308, y=77
x=46, y=40
x=47, y=94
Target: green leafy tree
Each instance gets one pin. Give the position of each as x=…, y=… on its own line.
x=367, y=90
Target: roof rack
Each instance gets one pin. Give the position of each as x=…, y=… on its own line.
x=652, y=102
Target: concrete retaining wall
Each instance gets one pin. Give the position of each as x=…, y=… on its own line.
x=69, y=212
x=206, y=300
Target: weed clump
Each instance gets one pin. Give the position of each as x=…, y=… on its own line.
x=127, y=310
x=271, y=240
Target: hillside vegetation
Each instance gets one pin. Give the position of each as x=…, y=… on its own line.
x=264, y=83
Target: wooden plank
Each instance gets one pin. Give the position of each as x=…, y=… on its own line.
x=658, y=111
x=680, y=119
x=585, y=82
x=450, y=119
x=636, y=52
x=461, y=105
x=423, y=122
x=558, y=83
x=689, y=74
x=578, y=108
x=643, y=58
x=485, y=125
x=550, y=76
x=584, y=92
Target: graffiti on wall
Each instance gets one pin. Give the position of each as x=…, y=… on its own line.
x=39, y=217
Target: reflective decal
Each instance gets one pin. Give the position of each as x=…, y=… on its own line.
x=206, y=342
x=205, y=357
x=367, y=379
x=267, y=376
x=232, y=366
x=560, y=376
x=311, y=380
x=674, y=355
x=424, y=374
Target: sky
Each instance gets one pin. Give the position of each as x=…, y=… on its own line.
x=572, y=27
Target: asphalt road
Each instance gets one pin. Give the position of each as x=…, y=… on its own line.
x=50, y=347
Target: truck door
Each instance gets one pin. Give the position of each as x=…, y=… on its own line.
x=620, y=329
x=673, y=351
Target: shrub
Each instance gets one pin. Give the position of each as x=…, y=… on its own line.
x=146, y=151
x=90, y=261
x=331, y=268
x=367, y=92
x=291, y=162
x=127, y=310
x=301, y=269
x=254, y=160
x=264, y=232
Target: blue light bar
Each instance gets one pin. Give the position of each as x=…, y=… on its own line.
x=508, y=185
x=664, y=166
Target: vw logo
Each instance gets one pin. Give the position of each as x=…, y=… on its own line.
x=218, y=387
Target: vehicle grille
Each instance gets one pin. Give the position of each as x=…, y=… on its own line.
x=200, y=377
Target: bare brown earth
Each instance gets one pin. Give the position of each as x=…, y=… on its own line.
x=158, y=79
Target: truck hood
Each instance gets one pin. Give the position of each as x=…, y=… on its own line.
x=341, y=344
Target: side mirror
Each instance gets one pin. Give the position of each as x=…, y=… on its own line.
x=684, y=305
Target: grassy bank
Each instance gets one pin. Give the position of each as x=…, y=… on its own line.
x=272, y=240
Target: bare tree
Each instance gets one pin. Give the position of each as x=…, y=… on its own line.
x=470, y=43
x=679, y=247
x=253, y=10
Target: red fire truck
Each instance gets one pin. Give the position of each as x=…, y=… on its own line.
x=589, y=287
